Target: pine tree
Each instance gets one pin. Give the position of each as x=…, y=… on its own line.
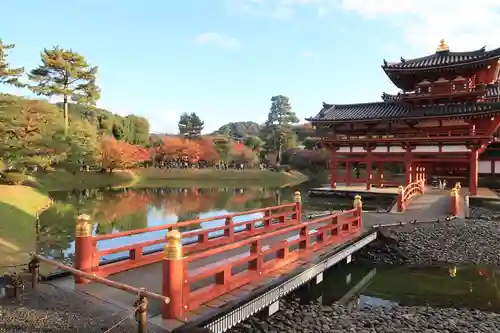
x=9, y=75
x=65, y=73
x=279, y=124
x=190, y=125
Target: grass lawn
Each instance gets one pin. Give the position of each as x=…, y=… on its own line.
x=142, y=178
x=18, y=207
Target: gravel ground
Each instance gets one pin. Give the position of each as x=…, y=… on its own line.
x=315, y=318
x=472, y=241
x=54, y=310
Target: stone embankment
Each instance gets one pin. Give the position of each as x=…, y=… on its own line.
x=315, y=318
x=462, y=242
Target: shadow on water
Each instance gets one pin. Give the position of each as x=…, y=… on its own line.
x=358, y=286
x=114, y=211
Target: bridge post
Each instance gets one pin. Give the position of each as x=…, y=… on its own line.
x=173, y=276
x=454, y=202
x=358, y=205
x=297, y=198
x=84, y=247
x=400, y=203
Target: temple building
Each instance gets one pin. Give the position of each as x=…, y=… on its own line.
x=444, y=120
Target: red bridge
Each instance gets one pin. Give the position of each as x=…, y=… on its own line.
x=202, y=272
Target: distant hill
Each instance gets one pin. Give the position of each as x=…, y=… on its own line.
x=240, y=129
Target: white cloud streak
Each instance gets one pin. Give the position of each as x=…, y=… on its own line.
x=217, y=39
x=465, y=24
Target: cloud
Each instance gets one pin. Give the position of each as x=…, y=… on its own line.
x=217, y=39
x=465, y=24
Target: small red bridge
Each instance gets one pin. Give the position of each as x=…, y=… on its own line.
x=218, y=276
x=201, y=271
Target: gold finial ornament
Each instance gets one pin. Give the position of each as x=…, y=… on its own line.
x=83, y=226
x=453, y=192
x=442, y=46
x=297, y=197
x=458, y=186
x=357, y=201
x=401, y=189
x=173, y=248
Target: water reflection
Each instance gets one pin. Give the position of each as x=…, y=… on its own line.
x=357, y=286
x=122, y=210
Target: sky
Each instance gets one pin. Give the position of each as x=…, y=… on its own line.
x=225, y=59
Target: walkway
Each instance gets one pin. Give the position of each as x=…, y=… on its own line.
x=434, y=204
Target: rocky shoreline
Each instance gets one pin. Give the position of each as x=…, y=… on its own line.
x=315, y=318
x=462, y=242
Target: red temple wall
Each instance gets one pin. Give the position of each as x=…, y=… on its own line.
x=488, y=75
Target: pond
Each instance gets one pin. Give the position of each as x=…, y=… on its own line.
x=122, y=210
x=358, y=285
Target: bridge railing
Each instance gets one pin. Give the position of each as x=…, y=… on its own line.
x=189, y=281
x=407, y=193
x=88, y=256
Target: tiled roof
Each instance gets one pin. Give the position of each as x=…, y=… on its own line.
x=393, y=111
x=443, y=58
x=492, y=91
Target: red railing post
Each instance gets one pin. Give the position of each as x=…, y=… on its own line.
x=400, y=203
x=229, y=232
x=84, y=247
x=358, y=205
x=298, y=202
x=454, y=202
x=173, y=276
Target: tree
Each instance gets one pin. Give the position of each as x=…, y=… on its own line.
x=66, y=73
x=254, y=143
x=309, y=143
x=207, y=150
x=175, y=149
x=120, y=155
x=83, y=148
x=9, y=75
x=190, y=125
x=30, y=131
x=279, y=123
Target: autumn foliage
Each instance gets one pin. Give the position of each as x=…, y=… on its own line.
x=121, y=155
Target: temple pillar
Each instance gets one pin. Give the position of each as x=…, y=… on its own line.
x=333, y=170
x=408, y=171
x=347, y=173
x=380, y=174
x=473, y=177
x=369, y=173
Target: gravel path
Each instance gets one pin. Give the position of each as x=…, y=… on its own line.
x=315, y=318
x=55, y=310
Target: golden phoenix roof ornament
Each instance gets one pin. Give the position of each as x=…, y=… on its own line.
x=442, y=46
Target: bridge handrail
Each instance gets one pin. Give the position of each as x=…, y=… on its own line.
x=178, y=279
x=186, y=223
x=113, y=284
x=235, y=245
x=88, y=257
x=406, y=194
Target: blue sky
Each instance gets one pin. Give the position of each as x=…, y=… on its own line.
x=224, y=59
